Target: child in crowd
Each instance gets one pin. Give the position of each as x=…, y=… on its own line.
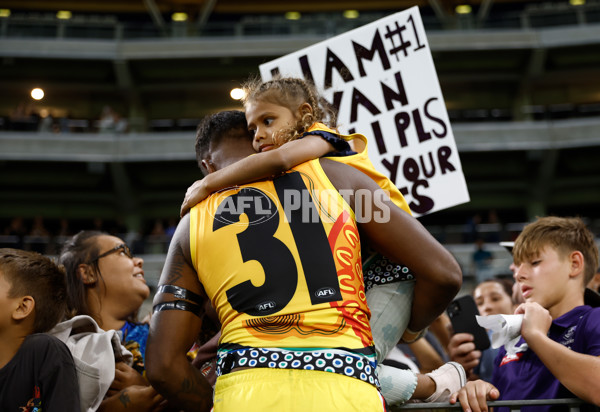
x=558, y=353
x=106, y=282
x=492, y=297
x=36, y=370
x=287, y=118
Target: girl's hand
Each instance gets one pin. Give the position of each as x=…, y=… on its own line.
x=264, y=165
x=196, y=193
x=125, y=376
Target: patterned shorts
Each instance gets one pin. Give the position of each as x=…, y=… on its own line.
x=343, y=363
x=379, y=270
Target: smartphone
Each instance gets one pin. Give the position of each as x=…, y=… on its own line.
x=462, y=313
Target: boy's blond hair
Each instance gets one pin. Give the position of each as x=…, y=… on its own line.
x=565, y=234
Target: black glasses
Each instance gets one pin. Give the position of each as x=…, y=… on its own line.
x=117, y=249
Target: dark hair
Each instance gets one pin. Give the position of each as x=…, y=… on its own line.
x=79, y=249
x=292, y=92
x=565, y=234
x=507, y=285
x=214, y=127
x=35, y=275
x=82, y=248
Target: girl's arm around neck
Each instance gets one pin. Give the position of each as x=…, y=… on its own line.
x=259, y=166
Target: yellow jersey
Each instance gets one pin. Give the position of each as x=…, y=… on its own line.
x=280, y=261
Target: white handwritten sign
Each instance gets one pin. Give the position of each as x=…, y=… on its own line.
x=382, y=79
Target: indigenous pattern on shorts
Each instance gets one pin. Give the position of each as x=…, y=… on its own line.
x=379, y=270
x=335, y=361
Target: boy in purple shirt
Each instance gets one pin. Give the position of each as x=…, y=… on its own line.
x=558, y=355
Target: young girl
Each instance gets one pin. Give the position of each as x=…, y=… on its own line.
x=287, y=119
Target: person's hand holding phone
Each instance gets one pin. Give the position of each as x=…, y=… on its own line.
x=461, y=349
x=469, y=339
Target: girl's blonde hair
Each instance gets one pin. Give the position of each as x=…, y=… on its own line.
x=291, y=92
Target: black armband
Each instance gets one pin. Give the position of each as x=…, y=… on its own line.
x=179, y=305
x=181, y=293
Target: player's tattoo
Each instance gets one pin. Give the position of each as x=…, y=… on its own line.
x=177, y=264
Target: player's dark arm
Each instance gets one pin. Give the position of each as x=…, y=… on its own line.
x=402, y=238
x=173, y=331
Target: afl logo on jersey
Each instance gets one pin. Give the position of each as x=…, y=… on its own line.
x=266, y=306
x=325, y=292
x=229, y=205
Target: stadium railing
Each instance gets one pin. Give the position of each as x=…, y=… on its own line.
x=573, y=405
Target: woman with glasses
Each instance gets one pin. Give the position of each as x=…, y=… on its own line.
x=106, y=282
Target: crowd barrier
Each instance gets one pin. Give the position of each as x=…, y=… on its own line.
x=573, y=405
